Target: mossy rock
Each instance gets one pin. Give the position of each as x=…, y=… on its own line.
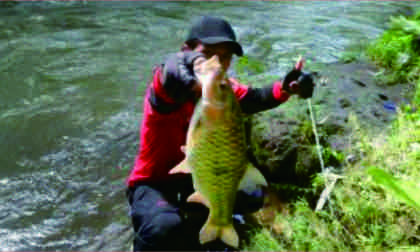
x=284, y=150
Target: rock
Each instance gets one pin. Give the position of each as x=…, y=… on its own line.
x=351, y=159
x=377, y=113
x=282, y=143
x=359, y=82
x=344, y=102
x=283, y=152
x=383, y=97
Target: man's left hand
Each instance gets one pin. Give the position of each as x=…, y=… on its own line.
x=299, y=82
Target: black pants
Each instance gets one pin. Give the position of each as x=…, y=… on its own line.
x=162, y=220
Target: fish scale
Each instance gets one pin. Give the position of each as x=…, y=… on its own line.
x=223, y=147
x=216, y=155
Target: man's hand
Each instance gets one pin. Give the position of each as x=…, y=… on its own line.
x=299, y=82
x=186, y=63
x=178, y=76
x=209, y=70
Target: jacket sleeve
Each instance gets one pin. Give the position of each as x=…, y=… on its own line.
x=253, y=100
x=178, y=76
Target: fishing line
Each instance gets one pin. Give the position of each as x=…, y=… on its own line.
x=318, y=146
x=326, y=172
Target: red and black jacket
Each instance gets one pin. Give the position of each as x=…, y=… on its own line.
x=168, y=108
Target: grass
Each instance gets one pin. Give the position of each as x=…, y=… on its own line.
x=374, y=207
x=396, y=52
x=362, y=215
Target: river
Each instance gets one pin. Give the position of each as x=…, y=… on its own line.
x=72, y=78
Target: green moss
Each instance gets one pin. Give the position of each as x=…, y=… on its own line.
x=332, y=156
x=264, y=241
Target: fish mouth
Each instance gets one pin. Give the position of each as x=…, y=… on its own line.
x=216, y=104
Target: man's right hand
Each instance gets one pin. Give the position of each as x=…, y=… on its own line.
x=185, y=65
x=178, y=75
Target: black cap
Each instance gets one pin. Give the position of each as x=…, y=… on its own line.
x=212, y=30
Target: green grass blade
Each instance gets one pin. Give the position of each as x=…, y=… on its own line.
x=402, y=190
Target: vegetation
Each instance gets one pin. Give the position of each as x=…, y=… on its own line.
x=375, y=205
x=397, y=51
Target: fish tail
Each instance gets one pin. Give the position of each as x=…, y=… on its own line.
x=227, y=234
x=209, y=232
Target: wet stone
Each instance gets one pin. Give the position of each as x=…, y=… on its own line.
x=351, y=159
x=358, y=82
x=344, y=103
x=377, y=114
x=383, y=97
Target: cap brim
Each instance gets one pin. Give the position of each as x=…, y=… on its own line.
x=237, y=48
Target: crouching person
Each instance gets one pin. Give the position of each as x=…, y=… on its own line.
x=162, y=220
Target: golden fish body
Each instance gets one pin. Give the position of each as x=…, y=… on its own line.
x=218, y=163
x=216, y=154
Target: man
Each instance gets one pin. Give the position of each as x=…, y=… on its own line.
x=157, y=199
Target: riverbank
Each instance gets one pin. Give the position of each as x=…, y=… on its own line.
x=374, y=205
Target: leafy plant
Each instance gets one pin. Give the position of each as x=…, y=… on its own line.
x=403, y=190
x=395, y=51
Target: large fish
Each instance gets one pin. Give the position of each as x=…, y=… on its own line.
x=216, y=153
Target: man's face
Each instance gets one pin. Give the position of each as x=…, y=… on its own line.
x=222, y=50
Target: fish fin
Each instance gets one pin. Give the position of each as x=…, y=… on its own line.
x=227, y=234
x=182, y=167
x=198, y=198
x=251, y=179
x=209, y=232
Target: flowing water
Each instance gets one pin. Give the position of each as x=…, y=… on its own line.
x=72, y=76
